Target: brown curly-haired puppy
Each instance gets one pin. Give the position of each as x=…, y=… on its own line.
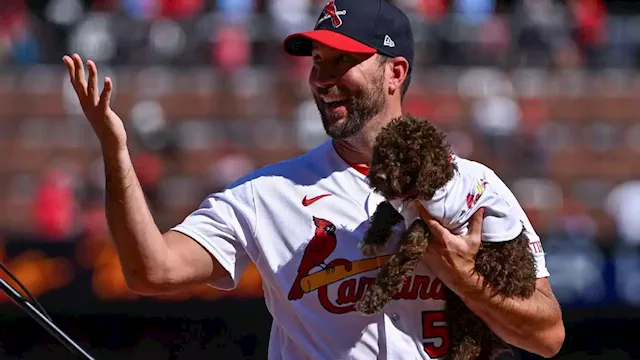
x=412, y=160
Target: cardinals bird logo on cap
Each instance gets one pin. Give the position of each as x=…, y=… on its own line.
x=330, y=11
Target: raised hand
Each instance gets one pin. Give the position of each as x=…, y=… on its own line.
x=96, y=106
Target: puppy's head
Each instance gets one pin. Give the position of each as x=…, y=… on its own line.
x=411, y=159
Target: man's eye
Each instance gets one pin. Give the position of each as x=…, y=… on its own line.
x=344, y=59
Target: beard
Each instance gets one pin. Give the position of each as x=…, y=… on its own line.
x=362, y=105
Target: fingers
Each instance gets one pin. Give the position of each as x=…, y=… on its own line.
x=422, y=211
x=105, y=97
x=70, y=67
x=475, y=223
x=80, y=84
x=436, y=229
x=92, y=90
x=76, y=74
x=79, y=68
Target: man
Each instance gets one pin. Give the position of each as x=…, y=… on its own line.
x=300, y=220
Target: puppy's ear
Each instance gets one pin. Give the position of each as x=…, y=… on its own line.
x=436, y=171
x=382, y=222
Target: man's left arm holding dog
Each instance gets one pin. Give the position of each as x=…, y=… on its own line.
x=534, y=324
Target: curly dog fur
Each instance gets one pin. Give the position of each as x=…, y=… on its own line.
x=399, y=267
x=410, y=155
x=412, y=160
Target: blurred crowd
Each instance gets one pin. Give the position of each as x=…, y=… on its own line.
x=543, y=91
x=231, y=34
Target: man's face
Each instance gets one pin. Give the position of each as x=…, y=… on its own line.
x=349, y=89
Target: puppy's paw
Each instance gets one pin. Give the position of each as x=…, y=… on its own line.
x=370, y=250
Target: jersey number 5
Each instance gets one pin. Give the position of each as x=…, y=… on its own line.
x=435, y=334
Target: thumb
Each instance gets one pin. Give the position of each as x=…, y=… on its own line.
x=434, y=226
x=475, y=224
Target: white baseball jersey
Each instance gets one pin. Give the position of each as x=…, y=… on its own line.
x=300, y=222
x=468, y=191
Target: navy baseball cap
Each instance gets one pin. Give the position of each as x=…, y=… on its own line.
x=358, y=26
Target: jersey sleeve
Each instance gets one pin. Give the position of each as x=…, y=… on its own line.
x=224, y=224
x=455, y=203
x=504, y=218
x=471, y=193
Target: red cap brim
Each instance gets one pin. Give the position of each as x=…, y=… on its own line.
x=300, y=44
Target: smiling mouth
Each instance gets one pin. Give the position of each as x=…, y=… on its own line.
x=333, y=102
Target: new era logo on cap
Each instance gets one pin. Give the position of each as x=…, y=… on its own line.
x=358, y=26
x=388, y=42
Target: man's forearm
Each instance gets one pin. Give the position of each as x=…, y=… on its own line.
x=140, y=244
x=533, y=324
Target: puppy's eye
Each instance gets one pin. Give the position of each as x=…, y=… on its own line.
x=381, y=177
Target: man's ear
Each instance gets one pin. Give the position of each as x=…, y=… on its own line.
x=399, y=69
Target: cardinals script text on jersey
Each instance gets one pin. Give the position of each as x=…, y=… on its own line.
x=306, y=249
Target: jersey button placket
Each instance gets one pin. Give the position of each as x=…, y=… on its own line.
x=395, y=317
x=392, y=335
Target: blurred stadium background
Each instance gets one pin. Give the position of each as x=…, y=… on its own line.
x=546, y=92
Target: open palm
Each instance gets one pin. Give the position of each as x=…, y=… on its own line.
x=96, y=106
